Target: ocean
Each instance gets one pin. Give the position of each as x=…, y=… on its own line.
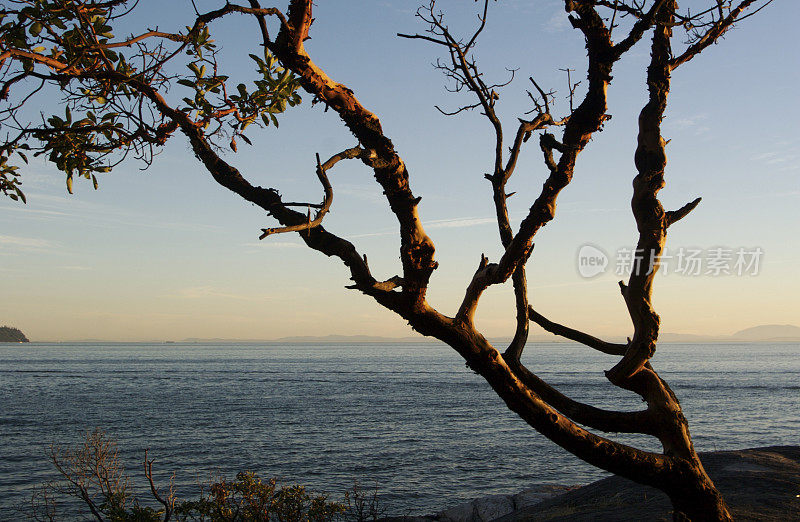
x=407, y=418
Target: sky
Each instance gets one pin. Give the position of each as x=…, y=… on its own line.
x=166, y=254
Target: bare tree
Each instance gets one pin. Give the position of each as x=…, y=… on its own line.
x=119, y=86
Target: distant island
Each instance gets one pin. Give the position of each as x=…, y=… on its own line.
x=12, y=335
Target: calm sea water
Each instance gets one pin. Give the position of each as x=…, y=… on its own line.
x=407, y=417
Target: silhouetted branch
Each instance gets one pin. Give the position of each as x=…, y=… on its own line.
x=325, y=206
x=169, y=502
x=584, y=414
x=576, y=335
x=717, y=29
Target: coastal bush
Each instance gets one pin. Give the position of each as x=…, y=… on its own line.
x=92, y=480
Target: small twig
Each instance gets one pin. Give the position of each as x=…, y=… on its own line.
x=325, y=206
x=169, y=503
x=309, y=224
x=572, y=88
x=613, y=17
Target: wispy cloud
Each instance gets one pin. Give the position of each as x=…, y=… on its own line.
x=463, y=222
x=360, y=192
x=558, y=22
x=460, y=222
x=35, y=211
x=272, y=243
x=27, y=244
x=694, y=124
x=576, y=283
x=202, y=292
x=372, y=234
x=783, y=157
x=45, y=207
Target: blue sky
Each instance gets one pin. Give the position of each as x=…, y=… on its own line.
x=168, y=254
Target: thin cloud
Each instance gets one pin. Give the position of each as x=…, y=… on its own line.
x=203, y=292
x=465, y=222
x=28, y=244
x=691, y=122
x=557, y=23
x=460, y=222
x=783, y=157
x=268, y=243
x=576, y=283
x=48, y=207
x=37, y=212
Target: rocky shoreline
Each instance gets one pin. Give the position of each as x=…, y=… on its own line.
x=760, y=484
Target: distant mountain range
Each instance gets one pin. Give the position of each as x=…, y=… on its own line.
x=767, y=333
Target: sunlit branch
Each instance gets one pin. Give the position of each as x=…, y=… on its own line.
x=675, y=215
x=717, y=29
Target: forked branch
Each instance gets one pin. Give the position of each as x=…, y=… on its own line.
x=169, y=502
x=714, y=32
x=325, y=206
x=416, y=248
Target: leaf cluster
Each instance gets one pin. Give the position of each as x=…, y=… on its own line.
x=115, y=91
x=251, y=498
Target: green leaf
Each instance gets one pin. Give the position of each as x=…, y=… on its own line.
x=36, y=28
x=69, y=183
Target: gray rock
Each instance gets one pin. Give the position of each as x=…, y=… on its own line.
x=479, y=510
x=489, y=508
